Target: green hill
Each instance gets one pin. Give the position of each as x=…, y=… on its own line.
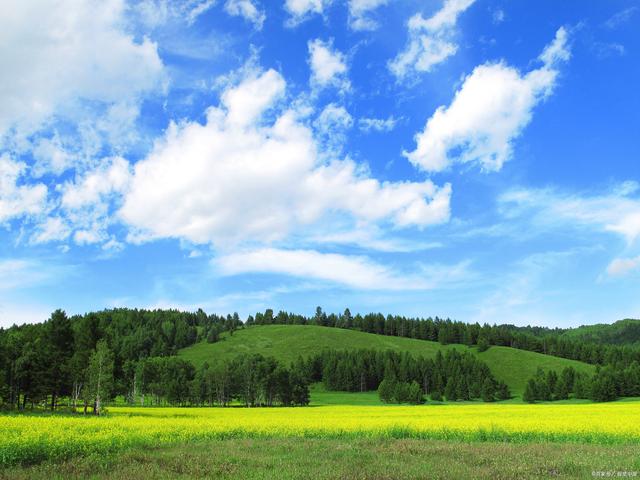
x=287, y=342
x=622, y=332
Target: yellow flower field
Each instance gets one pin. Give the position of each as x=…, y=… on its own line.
x=25, y=439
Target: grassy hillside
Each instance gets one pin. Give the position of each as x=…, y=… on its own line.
x=622, y=332
x=287, y=342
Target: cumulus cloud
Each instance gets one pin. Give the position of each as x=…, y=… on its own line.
x=328, y=66
x=617, y=211
x=301, y=10
x=490, y=110
x=57, y=53
x=242, y=178
x=86, y=205
x=18, y=200
x=431, y=40
x=360, y=13
x=248, y=10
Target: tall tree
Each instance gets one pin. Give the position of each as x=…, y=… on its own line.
x=58, y=342
x=99, y=376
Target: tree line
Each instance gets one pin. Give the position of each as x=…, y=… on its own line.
x=604, y=385
x=56, y=358
x=446, y=331
x=403, y=378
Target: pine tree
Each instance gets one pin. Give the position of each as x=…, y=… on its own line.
x=488, y=391
x=483, y=344
x=450, y=390
x=529, y=394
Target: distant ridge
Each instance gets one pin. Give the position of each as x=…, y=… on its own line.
x=622, y=332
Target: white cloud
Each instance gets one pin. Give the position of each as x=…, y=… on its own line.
x=300, y=10
x=377, y=124
x=488, y=112
x=328, y=66
x=371, y=238
x=52, y=229
x=248, y=10
x=357, y=272
x=57, y=53
x=239, y=178
x=430, y=40
x=112, y=177
x=360, y=13
x=19, y=200
x=87, y=204
x=331, y=127
x=616, y=212
x=196, y=8
x=498, y=16
x=623, y=266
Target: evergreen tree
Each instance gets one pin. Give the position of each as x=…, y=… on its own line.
x=386, y=391
x=450, y=390
x=58, y=344
x=483, y=344
x=530, y=394
x=488, y=391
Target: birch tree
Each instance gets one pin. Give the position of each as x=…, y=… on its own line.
x=99, y=376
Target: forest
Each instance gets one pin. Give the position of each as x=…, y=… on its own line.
x=92, y=358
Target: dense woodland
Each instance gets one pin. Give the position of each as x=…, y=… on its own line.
x=88, y=359
x=404, y=378
x=608, y=383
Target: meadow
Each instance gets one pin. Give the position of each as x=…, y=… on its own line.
x=29, y=439
x=287, y=342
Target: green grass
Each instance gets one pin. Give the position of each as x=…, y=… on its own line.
x=287, y=342
x=321, y=396
x=364, y=459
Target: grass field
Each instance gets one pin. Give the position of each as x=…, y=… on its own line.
x=28, y=439
x=331, y=458
x=287, y=342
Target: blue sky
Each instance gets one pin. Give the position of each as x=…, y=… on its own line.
x=472, y=159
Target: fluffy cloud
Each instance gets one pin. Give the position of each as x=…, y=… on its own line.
x=360, y=13
x=430, y=40
x=86, y=205
x=300, y=10
x=53, y=229
x=239, y=177
x=623, y=266
x=110, y=178
x=488, y=112
x=328, y=66
x=357, y=272
x=246, y=9
x=56, y=53
x=616, y=212
x=18, y=200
